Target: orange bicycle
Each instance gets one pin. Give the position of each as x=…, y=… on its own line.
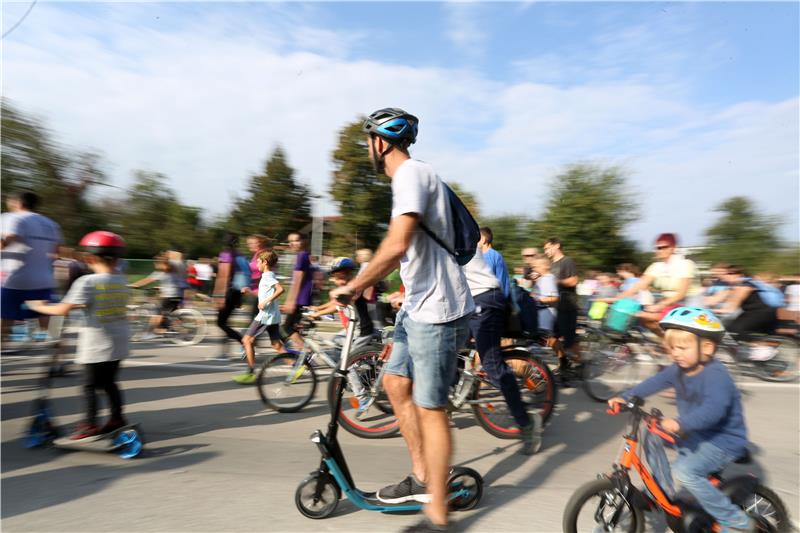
x=613, y=503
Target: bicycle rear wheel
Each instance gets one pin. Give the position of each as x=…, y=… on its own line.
x=611, y=368
x=363, y=371
x=537, y=389
x=767, y=509
x=187, y=327
x=286, y=383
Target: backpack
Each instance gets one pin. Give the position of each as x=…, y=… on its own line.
x=770, y=295
x=466, y=230
x=242, y=275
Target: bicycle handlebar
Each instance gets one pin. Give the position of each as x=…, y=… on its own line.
x=653, y=418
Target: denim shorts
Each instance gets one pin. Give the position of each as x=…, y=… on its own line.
x=427, y=353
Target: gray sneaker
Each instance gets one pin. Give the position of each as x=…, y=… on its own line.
x=408, y=490
x=532, y=435
x=220, y=357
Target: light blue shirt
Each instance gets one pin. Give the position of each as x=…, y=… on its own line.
x=271, y=313
x=498, y=266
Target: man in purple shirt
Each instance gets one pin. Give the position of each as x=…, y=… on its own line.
x=301, y=289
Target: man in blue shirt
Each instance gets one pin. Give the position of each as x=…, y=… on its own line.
x=495, y=260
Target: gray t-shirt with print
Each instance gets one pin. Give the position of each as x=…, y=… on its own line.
x=436, y=289
x=105, y=334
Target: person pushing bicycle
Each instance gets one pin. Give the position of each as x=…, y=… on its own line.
x=710, y=419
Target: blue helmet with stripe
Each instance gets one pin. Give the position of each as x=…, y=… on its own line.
x=393, y=124
x=701, y=322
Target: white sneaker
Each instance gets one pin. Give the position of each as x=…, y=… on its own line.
x=762, y=353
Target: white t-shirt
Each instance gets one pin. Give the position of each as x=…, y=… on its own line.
x=105, y=335
x=667, y=275
x=271, y=314
x=480, y=277
x=793, y=297
x=436, y=289
x=204, y=271
x=26, y=263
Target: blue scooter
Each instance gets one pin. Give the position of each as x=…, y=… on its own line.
x=318, y=495
x=127, y=441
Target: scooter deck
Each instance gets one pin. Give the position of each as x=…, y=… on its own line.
x=103, y=443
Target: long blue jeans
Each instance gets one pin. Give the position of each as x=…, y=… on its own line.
x=691, y=470
x=486, y=326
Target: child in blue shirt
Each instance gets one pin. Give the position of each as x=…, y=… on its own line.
x=268, y=318
x=710, y=420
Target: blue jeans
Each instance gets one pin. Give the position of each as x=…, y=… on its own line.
x=486, y=326
x=691, y=470
x=427, y=354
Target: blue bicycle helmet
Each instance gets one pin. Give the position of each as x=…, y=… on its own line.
x=342, y=263
x=701, y=322
x=394, y=125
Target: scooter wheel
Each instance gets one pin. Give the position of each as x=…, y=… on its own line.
x=316, y=505
x=129, y=443
x=465, y=487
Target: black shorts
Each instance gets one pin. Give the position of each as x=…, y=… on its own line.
x=290, y=324
x=169, y=305
x=257, y=328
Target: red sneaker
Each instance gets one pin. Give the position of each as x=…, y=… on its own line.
x=85, y=431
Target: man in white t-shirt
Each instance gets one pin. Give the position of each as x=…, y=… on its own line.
x=433, y=322
x=29, y=245
x=672, y=278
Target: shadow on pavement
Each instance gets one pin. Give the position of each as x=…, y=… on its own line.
x=30, y=492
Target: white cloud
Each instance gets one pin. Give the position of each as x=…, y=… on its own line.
x=464, y=27
x=205, y=103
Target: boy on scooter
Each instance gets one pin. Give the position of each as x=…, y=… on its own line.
x=710, y=421
x=103, y=340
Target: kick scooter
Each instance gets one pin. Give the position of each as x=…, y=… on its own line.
x=127, y=441
x=318, y=495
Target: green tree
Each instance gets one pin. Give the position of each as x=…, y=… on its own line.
x=511, y=234
x=276, y=203
x=63, y=179
x=364, y=197
x=588, y=208
x=742, y=235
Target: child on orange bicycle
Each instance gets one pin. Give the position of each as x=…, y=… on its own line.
x=710, y=420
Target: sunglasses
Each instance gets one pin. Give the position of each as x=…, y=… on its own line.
x=663, y=247
x=528, y=255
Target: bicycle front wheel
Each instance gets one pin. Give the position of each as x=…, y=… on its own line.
x=611, y=368
x=286, y=383
x=597, y=506
x=362, y=384
x=187, y=327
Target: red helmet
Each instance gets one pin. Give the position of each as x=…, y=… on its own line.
x=103, y=243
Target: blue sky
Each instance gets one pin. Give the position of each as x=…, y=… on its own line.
x=698, y=101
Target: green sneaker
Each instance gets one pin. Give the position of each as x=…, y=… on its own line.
x=245, y=379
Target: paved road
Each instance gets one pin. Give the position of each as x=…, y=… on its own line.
x=217, y=460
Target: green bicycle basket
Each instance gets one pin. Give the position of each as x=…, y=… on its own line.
x=622, y=314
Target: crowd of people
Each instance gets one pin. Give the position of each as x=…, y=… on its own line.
x=439, y=295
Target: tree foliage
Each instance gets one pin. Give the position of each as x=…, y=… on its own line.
x=276, y=203
x=511, y=234
x=33, y=161
x=742, y=235
x=364, y=197
x=588, y=208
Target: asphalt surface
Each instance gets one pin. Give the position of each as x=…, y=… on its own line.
x=217, y=460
